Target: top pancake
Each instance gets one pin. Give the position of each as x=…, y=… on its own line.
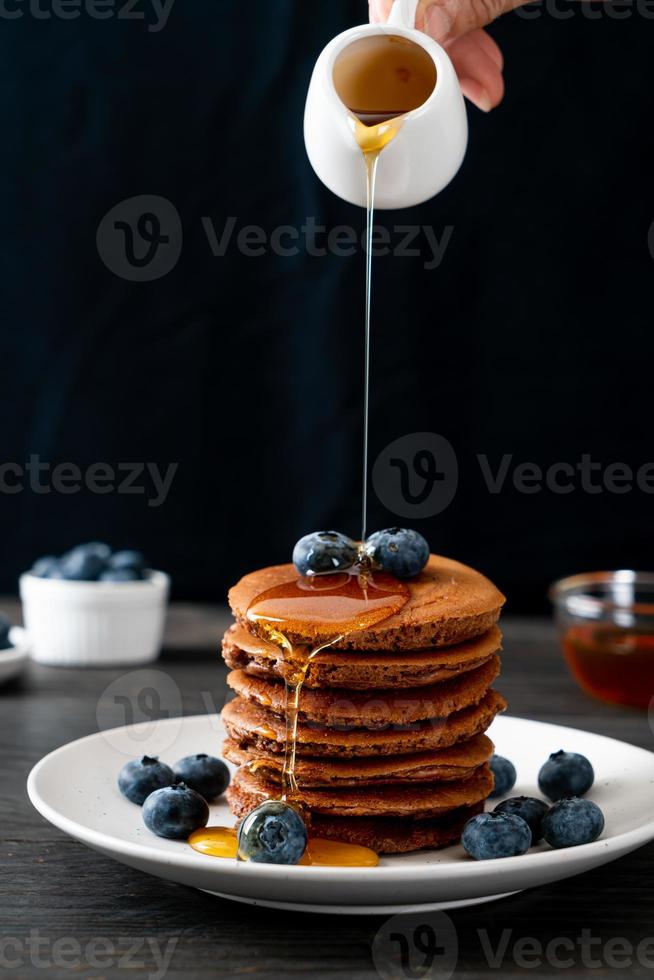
x=449, y=603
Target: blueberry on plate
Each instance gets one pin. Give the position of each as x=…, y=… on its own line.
x=530, y=809
x=565, y=774
x=5, y=626
x=505, y=776
x=175, y=812
x=44, y=567
x=571, y=822
x=120, y=575
x=132, y=560
x=398, y=551
x=324, y=551
x=274, y=833
x=140, y=777
x=205, y=774
x=496, y=835
x=84, y=563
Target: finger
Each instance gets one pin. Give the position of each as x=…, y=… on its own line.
x=481, y=78
x=446, y=19
x=379, y=10
x=489, y=46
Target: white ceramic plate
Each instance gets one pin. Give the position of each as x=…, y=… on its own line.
x=75, y=789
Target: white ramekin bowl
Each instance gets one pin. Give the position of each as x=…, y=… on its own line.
x=94, y=624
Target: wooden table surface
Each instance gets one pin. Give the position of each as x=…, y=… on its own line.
x=66, y=911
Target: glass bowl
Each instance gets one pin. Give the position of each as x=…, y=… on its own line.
x=606, y=625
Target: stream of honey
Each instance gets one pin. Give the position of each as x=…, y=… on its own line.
x=379, y=79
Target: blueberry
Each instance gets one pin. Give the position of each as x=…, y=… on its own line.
x=496, y=835
x=140, y=777
x=175, y=812
x=132, y=560
x=84, y=563
x=398, y=551
x=565, y=774
x=274, y=833
x=505, y=776
x=571, y=822
x=530, y=809
x=43, y=567
x=205, y=774
x=120, y=575
x=5, y=626
x=324, y=551
x=98, y=548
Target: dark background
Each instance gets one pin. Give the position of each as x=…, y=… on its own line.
x=532, y=338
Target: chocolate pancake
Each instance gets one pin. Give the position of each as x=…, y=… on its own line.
x=449, y=603
x=359, y=670
x=456, y=763
x=396, y=836
x=419, y=802
x=250, y=724
x=339, y=708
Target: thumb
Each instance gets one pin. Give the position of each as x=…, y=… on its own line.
x=445, y=20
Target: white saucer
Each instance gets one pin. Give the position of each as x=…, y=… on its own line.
x=12, y=662
x=75, y=789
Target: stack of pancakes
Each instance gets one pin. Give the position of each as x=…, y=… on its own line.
x=391, y=750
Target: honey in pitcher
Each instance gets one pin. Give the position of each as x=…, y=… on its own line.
x=384, y=76
x=612, y=663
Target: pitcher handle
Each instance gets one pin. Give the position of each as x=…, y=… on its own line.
x=403, y=14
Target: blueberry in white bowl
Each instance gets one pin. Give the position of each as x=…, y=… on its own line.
x=399, y=551
x=174, y=812
x=140, y=777
x=84, y=563
x=505, y=776
x=204, y=773
x=46, y=567
x=572, y=822
x=128, y=560
x=273, y=833
x=565, y=774
x=496, y=835
x=324, y=551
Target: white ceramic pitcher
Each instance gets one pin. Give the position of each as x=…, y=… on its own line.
x=429, y=148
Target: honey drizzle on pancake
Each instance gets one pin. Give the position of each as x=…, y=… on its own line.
x=338, y=604
x=341, y=604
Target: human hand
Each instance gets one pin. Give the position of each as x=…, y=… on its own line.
x=458, y=26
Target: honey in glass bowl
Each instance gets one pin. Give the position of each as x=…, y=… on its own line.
x=606, y=625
